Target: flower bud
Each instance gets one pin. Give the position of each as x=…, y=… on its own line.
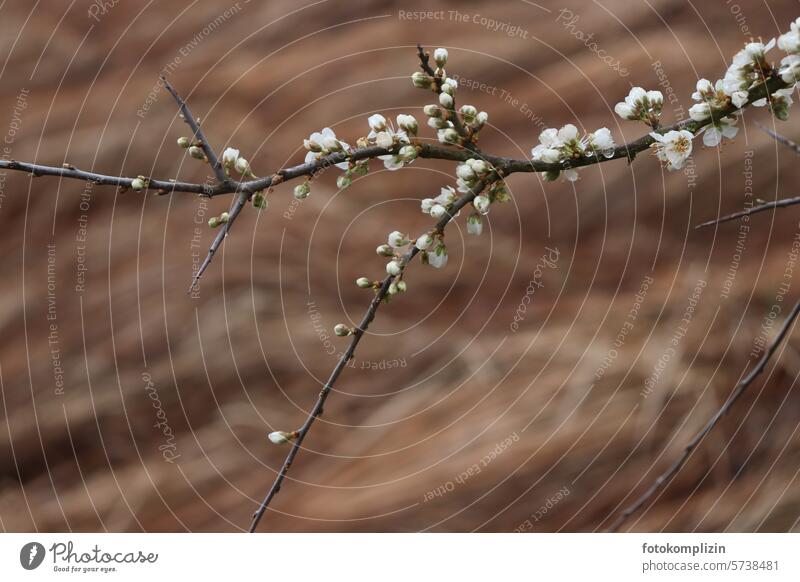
x=242, y=166
x=466, y=173
x=424, y=242
x=448, y=135
x=392, y=289
x=197, y=153
x=481, y=119
x=480, y=167
x=259, y=201
x=475, y=224
x=402, y=287
x=437, y=123
x=440, y=57
x=445, y=100
x=224, y=217
x=385, y=251
x=468, y=112
x=363, y=282
x=280, y=437
x=377, y=122
x=432, y=110
x=421, y=80
x=408, y=153
x=342, y=330
x=393, y=268
x=343, y=181
x=214, y=222
x=481, y=204
x=408, y=123
x=229, y=157
x=438, y=211
x=302, y=190
x=397, y=239
x=184, y=142
x=138, y=184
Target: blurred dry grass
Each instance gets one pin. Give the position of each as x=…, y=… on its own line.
x=246, y=356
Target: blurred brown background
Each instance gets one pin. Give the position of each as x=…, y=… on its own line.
x=161, y=421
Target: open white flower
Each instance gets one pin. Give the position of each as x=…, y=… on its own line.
x=790, y=42
x=713, y=133
x=640, y=105
x=601, y=141
x=322, y=143
x=674, y=147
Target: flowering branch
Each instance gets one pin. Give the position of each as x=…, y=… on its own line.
x=296, y=438
x=480, y=177
x=667, y=475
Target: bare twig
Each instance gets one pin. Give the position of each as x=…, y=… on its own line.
x=740, y=389
x=780, y=138
x=197, y=134
x=358, y=333
x=236, y=208
x=753, y=210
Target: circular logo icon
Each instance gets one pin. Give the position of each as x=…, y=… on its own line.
x=31, y=555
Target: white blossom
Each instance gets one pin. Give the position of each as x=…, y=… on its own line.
x=445, y=100
x=790, y=42
x=424, y=242
x=475, y=224
x=674, y=147
x=790, y=69
x=280, y=437
x=438, y=211
x=640, y=104
x=448, y=135
x=440, y=57
x=740, y=98
x=700, y=111
x=393, y=268
x=321, y=143
x=397, y=239
x=481, y=204
x=242, y=166
x=229, y=157
x=713, y=133
x=601, y=140
x=438, y=257
x=377, y=122
x=408, y=123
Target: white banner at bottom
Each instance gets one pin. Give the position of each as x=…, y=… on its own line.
x=390, y=557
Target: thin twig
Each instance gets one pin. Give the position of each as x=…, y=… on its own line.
x=780, y=138
x=358, y=333
x=236, y=208
x=753, y=210
x=740, y=389
x=197, y=134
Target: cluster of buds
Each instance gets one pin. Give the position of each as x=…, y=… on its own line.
x=470, y=173
x=562, y=145
x=193, y=148
x=434, y=251
x=382, y=134
x=232, y=160
x=641, y=105
x=440, y=206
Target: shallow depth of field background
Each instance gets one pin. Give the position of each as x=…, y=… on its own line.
x=564, y=425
